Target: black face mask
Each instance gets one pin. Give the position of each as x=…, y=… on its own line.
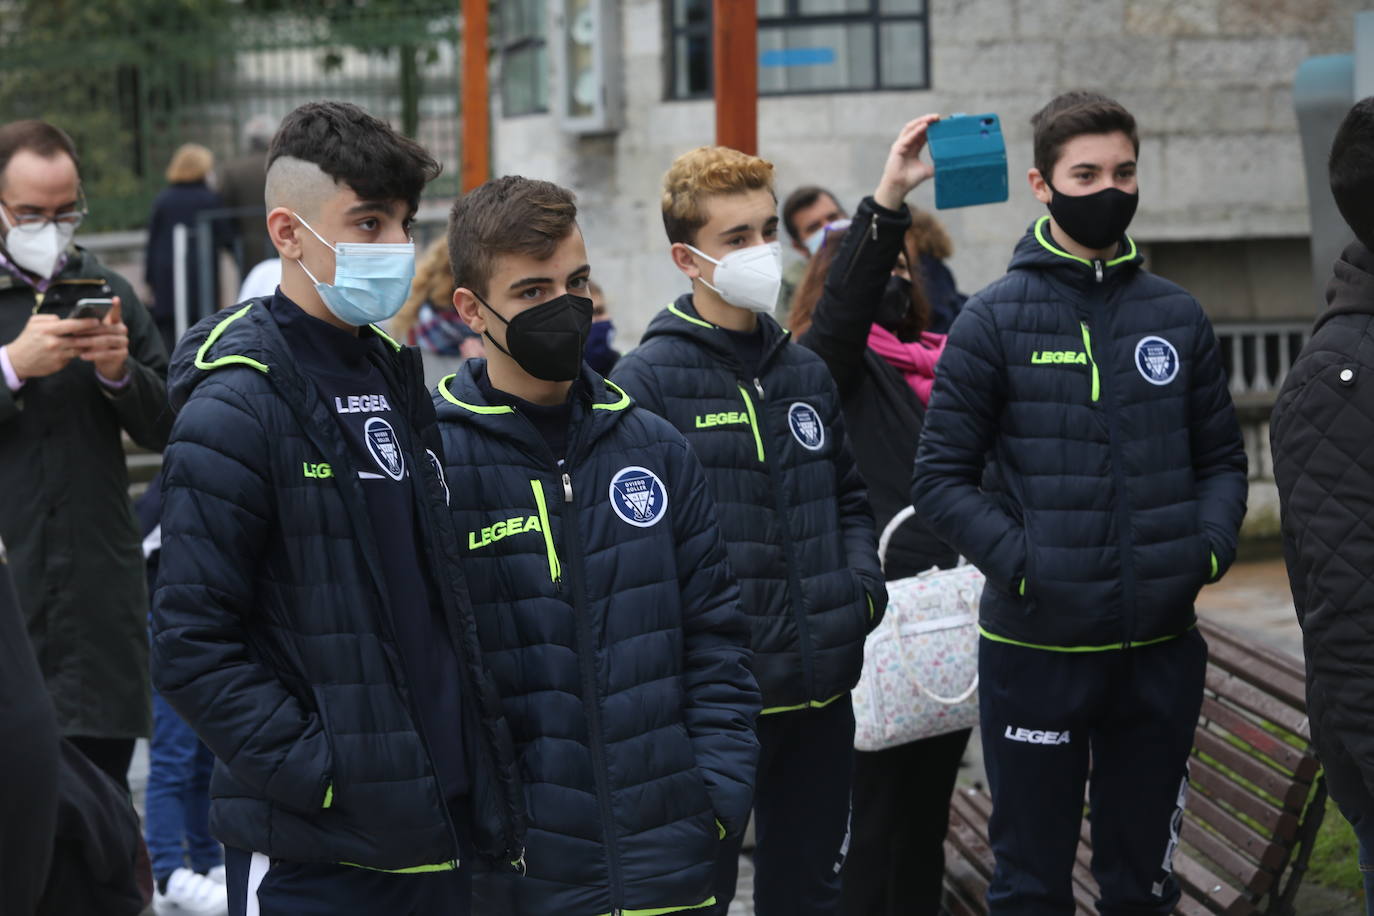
x=1096, y=220
x=547, y=341
x=894, y=311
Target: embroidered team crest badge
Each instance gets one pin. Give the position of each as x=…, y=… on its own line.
x=381, y=442
x=638, y=497
x=806, y=425
x=439, y=471
x=1157, y=360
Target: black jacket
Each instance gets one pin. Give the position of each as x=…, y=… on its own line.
x=1093, y=393
x=179, y=204
x=273, y=635
x=65, y=514
x=792, y=505
x=611, y=623
x=883, y=414
x=1321, y=433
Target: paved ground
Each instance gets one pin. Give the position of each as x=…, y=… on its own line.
x=1253, y=598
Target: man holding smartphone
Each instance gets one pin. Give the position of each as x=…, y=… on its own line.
x=71, y=386
x=1081, y=448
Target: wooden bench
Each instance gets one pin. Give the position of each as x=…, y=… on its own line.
x=1256, y=797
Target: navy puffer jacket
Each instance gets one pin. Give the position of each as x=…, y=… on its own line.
x=272, y=635
x=1115, y=483
x=793, y=507
x=611, y=622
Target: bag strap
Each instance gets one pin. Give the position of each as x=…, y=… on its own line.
x=886, y=538
x=968, y=598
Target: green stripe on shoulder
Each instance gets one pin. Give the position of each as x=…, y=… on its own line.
x=450, y=865
x=614, y=405
x=685, y=317
x=231, y=360
x=474, y=408
x=376, y=329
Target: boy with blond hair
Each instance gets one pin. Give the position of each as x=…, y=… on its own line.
x=764, y=417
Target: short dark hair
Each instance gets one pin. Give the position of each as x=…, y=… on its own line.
x=38, y=137
x=800, y=199
x=357, y=149
x=1351, y=170
x=508, y=215
x=1074, y=114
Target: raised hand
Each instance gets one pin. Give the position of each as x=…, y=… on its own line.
x=905, y=169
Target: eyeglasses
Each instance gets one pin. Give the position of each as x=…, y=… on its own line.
x=34, y=222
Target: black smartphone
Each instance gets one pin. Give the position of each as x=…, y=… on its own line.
x=91, y=308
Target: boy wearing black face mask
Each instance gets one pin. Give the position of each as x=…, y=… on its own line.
x=1082, y=449
x=764, y=416
x=605, y=604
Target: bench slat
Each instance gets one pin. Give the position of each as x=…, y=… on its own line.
x=1257, y=701
x=1203, y=810
x=1290, y=664
x=1239, y=868
x=1217, y=788
x=1187, y=906
x=1290, y=794
x=1302, y=764
x=1207, y=886
x=1253, y=667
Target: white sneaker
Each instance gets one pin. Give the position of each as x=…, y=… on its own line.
x=217, y=875
x=190, y=893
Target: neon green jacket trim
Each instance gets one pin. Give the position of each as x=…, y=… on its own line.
x=1112, y=647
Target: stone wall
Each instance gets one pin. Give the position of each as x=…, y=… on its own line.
x=1209, y=80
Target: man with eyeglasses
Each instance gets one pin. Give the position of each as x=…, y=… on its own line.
x=71, y=387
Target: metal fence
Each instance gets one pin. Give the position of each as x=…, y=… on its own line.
x=131, y=93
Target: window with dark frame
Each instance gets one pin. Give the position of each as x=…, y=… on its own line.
x=524, y=56
x=810, y=46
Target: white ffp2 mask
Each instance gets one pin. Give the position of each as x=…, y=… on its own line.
x=749, y=278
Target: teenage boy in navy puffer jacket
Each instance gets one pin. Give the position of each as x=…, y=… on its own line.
x=605, y=605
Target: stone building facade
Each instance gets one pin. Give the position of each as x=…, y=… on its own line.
x=1224, y=205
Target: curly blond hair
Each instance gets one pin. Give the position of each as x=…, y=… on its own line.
x=706, y=172
x=433, y=283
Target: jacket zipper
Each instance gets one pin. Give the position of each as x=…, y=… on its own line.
x=789, y=548
x=555, y=567
x=1123, y=514
x=591, y=694
x=1088, y=348
x=753, y=420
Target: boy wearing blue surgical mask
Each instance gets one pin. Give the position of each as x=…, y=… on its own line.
x=763, y=415
x=311, y=623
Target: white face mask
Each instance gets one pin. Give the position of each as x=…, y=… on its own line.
x=816, y=239
x=749, y=278
x=37, y=251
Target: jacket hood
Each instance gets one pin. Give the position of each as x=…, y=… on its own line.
x=1351, y=290
x=245, y=335
x=682, y=320
x=458, y=398
x=1038, y=250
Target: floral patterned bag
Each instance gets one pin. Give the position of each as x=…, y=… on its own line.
x=920, y=676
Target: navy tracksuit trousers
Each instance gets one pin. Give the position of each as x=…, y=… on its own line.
x=801, y=814
x=260, y=887
x=1045, y=716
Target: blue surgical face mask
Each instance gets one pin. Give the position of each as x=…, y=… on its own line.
x=371, y=280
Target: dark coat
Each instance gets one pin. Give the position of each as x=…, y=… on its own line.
x=614, y=633
x=176, y=205
x=792, y=505
x=1321, y=432
x=28, y=761
x=243, y=185
x=941, y=292
x=66, y=517
x=1094, y=396
x=272, y=634
x=883, y=414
